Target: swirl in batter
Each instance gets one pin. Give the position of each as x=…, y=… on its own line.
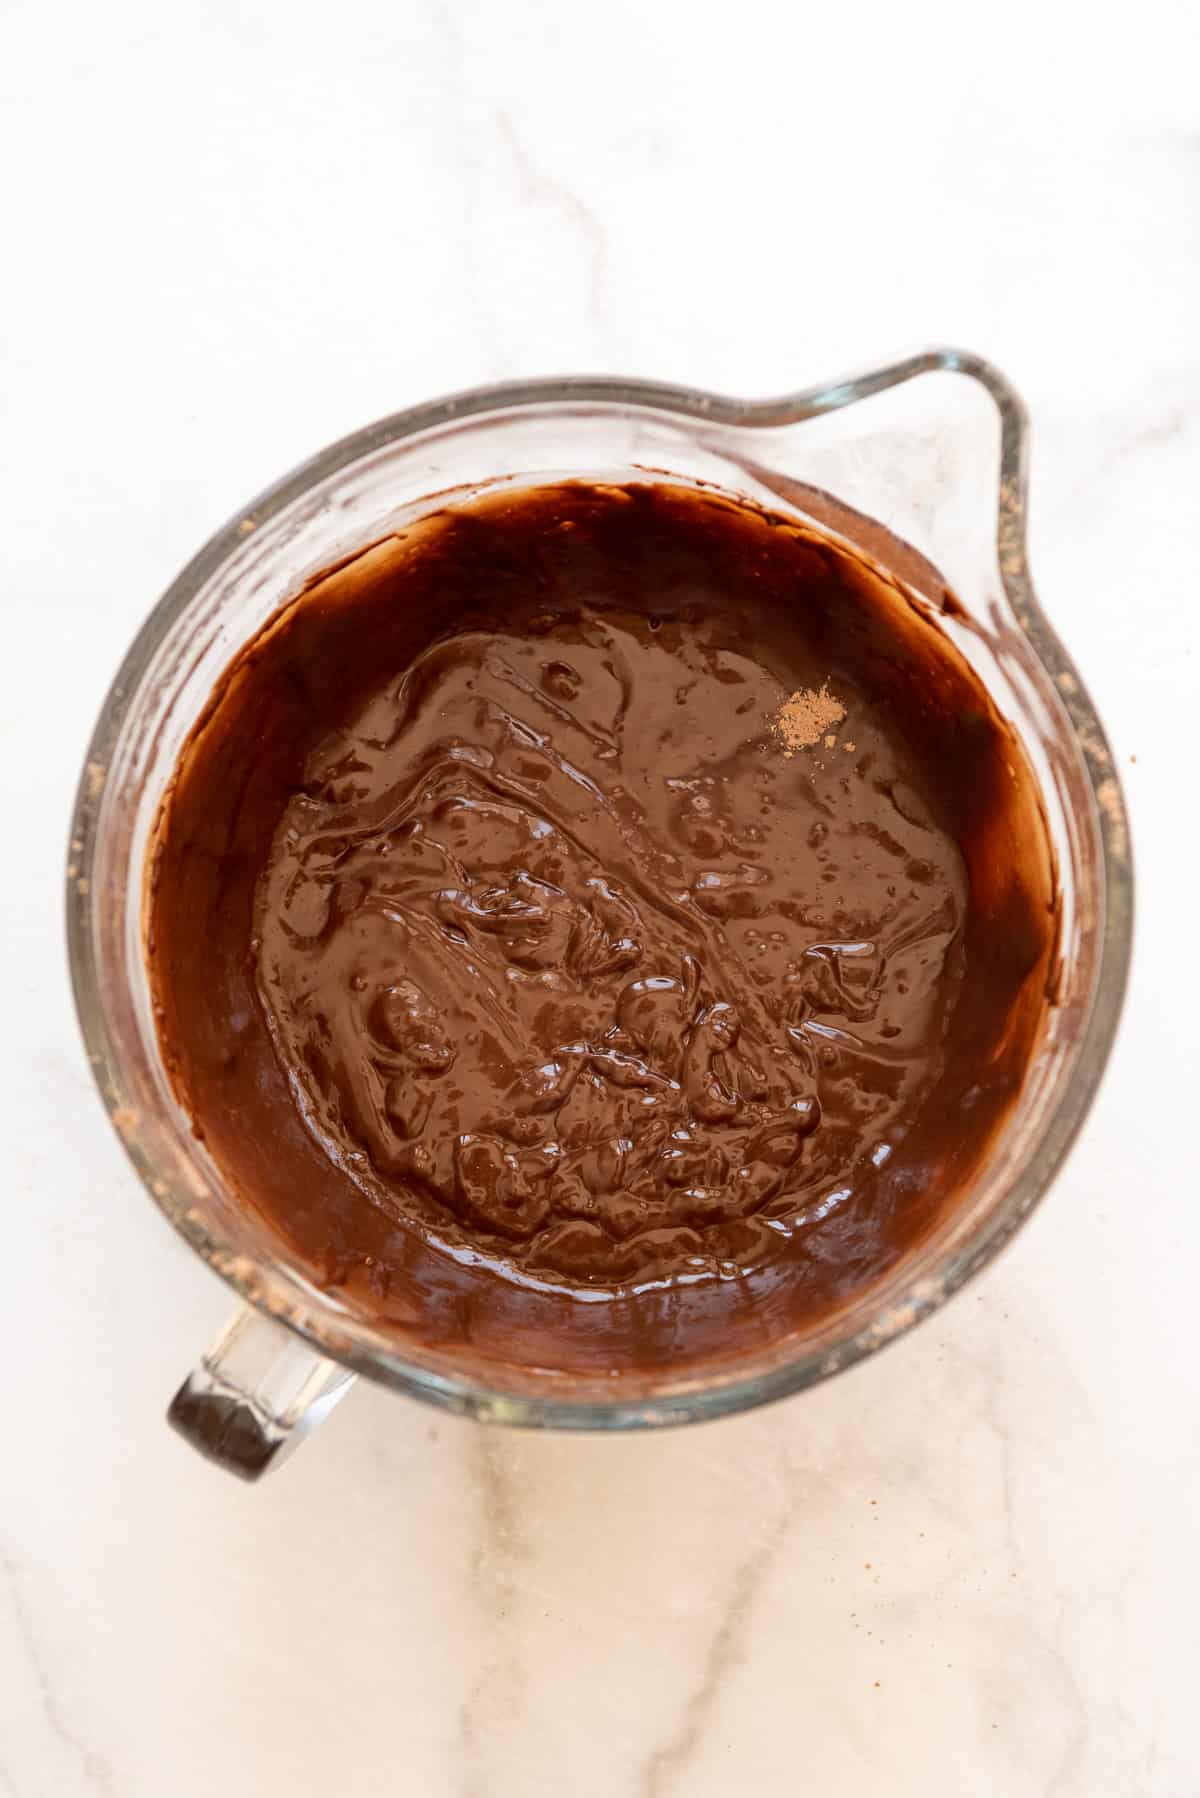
x=557, y=945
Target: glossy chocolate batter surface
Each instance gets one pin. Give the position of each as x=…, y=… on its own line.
x=592, y=895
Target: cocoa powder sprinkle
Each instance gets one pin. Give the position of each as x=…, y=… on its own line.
x=806, y=717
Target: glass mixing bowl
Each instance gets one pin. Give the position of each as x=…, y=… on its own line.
x=922, y=466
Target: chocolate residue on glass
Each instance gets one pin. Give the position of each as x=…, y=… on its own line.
x=600, y=926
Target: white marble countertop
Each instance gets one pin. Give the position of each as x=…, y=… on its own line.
x=971, y=1566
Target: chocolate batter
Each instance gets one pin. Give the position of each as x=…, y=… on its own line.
x=600, y=926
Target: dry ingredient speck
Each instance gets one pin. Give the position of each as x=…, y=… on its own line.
x=806, y=717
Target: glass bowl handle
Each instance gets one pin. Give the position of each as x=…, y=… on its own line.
x=255, y=1394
